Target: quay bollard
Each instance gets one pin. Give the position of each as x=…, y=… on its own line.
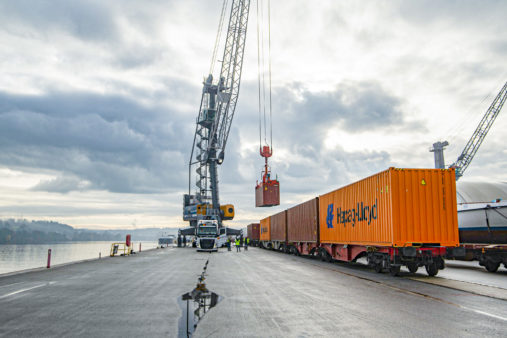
x=49, y=258
x=100, y=255
x=139, y=246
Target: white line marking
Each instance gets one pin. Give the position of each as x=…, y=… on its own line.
x=23, y=290
x=485, y=313
x=3, y=286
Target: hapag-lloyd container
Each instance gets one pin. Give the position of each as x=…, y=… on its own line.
x=278, y=227
x=396, y=207
x=265, y=229
x=302, y=222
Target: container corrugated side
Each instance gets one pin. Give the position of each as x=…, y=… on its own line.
x=302, y=222
x=253, y=231
x=265, y=224
x=396, y=207
x=279, y=227
x=424, y=206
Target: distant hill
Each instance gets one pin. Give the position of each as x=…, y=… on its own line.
x=40, y=232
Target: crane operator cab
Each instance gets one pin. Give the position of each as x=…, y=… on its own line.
x=207, y=235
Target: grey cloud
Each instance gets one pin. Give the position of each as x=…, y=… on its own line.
x=61, y=185
x=88, y=20
x=111, y=142
x=358, y=106
x=476, y=13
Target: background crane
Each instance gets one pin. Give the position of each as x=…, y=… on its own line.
x=475, y=141
x=216, y=112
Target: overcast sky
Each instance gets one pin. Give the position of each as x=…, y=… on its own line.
x=98, y=101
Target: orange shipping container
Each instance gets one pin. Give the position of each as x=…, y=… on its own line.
x=396, y=207
x=265, y=229
x=278, y=227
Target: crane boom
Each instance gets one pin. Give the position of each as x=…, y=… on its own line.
x=480, y=133
x=216, y=112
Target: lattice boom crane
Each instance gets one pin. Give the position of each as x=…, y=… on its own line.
x=216, y=112
x=480, y=133
x=473, y=144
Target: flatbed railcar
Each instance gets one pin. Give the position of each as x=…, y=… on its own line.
x=398, y=217
x=482, y=233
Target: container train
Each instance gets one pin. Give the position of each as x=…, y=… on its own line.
x=398, y=217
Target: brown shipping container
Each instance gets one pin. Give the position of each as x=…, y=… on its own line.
x=265, y=234
x=279, y=227
x=253, y=231
x=267, y=195
x=396, y=207
x=302, y=222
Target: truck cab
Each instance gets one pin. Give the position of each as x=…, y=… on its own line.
x=207, y=235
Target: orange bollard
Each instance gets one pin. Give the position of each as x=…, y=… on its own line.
x=49, y=258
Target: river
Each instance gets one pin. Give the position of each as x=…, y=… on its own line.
x=15, y=257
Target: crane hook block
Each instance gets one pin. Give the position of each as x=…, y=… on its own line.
x=266, y=151
x=267, y=192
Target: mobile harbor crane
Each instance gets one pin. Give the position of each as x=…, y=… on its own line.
x=468, y=153
x=218, y=103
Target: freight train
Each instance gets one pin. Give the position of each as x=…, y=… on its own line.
x=398, y=217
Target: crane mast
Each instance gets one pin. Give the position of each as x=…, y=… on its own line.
x=480, y=133
x=473, y=144
x=216, y=112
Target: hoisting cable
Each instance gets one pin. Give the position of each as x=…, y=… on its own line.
x=263, y=70
x=259, y=73
x=269, y=60
x=262, y=81
x=217, y=40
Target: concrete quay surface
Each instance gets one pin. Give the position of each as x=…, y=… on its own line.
x=265, y=294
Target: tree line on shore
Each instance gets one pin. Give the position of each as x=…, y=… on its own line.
x=41, y=232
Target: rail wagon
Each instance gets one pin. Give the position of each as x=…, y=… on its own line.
x=398, y=217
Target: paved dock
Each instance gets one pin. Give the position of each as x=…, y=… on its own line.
x=264, y=294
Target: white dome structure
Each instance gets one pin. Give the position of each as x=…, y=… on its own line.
x=477, y=192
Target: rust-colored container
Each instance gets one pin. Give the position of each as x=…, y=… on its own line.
x=396, y=207
x=253, y=231
x=265, y=225
x=267, y=194
x=302, y=222
x=279, y=227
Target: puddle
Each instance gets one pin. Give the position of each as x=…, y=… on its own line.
x=195, y=304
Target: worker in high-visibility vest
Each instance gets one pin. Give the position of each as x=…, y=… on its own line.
x=246, y=243
x=238, y=246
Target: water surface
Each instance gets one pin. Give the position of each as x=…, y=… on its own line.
x=15, y=257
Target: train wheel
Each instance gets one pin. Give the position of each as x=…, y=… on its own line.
x=394, y=270
x=378, y=267
x=323, y=254
x=441, y=264
x=432, y=269
x=412, y=267
x=491, y=266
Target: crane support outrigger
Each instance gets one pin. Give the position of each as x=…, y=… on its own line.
x=216, y=112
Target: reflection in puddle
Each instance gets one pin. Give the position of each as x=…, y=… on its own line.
x=194, y=305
